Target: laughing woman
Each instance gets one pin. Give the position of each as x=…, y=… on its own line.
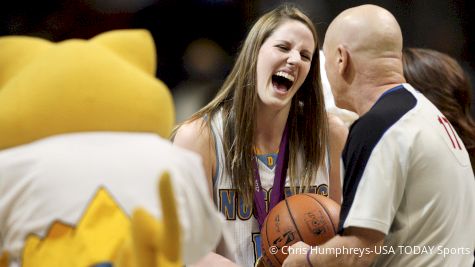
x=267, y=129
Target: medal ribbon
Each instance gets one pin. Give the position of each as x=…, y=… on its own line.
x=277, y=193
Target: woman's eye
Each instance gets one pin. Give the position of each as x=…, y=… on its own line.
x=306, y=57
x=282, y=47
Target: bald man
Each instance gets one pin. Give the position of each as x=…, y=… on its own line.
x=409, y=190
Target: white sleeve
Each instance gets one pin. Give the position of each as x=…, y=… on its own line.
x=201, y=222
x=380, y=189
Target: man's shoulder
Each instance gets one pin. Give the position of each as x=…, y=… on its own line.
x=385, y=113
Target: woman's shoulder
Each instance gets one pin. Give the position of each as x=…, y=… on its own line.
x=337, y=128
x=195, y=135
x=192, y=132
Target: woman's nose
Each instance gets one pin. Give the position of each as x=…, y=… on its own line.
x=294, y=57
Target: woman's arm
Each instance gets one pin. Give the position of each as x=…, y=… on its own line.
x=337, y=138
x=197, y=137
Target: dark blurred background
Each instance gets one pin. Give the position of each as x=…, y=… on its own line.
x=197, y=40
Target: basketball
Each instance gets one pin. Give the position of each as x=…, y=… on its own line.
x=310, y=218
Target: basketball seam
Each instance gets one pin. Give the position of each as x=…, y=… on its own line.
x=326, y=212
x=293, y=220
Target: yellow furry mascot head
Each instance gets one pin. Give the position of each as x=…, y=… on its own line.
x=106, y=83
x=50, y=88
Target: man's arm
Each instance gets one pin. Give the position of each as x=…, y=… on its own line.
x=355, y=248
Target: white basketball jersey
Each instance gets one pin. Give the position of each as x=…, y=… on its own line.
x=240, y=221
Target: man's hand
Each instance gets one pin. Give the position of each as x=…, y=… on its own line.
x=297, y=255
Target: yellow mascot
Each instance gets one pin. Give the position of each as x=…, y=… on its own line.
x=82, y=147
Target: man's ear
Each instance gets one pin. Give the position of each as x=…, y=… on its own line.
x=343, y=58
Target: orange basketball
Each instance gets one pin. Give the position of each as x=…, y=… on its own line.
x=310, y=218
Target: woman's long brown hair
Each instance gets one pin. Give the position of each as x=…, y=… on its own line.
x=237, y=100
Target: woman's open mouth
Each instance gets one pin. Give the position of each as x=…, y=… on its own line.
x=282, y=81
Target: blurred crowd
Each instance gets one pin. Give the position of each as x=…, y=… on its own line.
x=197, y=39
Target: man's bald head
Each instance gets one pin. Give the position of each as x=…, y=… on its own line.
x=366, y=29
x=363, y=56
